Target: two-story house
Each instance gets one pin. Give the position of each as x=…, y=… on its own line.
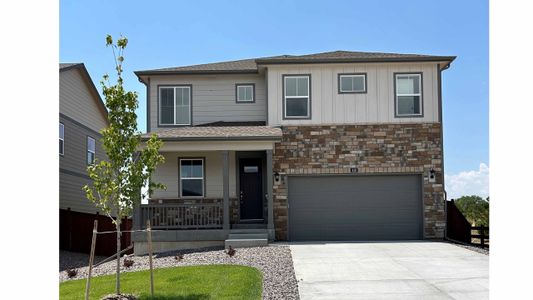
x=329, y=146
x=82, y=115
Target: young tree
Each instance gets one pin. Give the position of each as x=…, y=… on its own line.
x=117, y=181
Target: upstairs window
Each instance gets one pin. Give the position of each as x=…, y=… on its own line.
x=175, y=105
x=245, y=92
x=192, y=177
x=352, y=83
x=61, y=139
x=408, y=95
x=91, y=150
x=296, y=97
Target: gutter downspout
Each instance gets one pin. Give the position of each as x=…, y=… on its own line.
x=439, y=80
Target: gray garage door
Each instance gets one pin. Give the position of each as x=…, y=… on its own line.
x=359, y=208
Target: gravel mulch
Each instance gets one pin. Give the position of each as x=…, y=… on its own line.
x=274, y=261
x=73, y=260
x=469, y=247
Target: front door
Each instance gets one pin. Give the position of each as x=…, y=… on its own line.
x=251, y=188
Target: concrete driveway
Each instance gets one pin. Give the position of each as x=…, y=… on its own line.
x=389, y=270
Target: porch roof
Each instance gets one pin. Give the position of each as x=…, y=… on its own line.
x=217, y=133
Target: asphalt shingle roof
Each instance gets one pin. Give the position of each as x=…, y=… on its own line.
x=216, y=133
x=250, y=65
x=63, y=66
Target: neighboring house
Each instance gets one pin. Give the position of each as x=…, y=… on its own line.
x=82, y=115
x=329, y=146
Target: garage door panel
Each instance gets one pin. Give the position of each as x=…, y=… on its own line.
x=355, y=207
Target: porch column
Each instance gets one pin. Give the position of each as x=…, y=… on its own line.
x=137, y=217
x=225, y=188
x=136, y=221
x=269, y=194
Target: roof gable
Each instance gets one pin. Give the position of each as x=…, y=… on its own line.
x=63, y=67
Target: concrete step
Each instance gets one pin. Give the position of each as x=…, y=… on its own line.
x=247, y=231
x=244, y=243
x=235, y=236
x=248, y=226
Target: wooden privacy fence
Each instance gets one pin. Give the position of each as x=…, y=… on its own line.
x=75, y=232
x=481, y=235
x=459, y=229
x=182, y=216
x=457, y=226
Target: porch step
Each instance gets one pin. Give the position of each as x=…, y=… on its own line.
x=244, y=243
x=248, y=226
x=246, y=236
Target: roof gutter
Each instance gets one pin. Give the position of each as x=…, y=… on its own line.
x=202, y=72
x=216, y=138
x=275, y=61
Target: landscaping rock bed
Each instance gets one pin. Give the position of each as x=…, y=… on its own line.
x=274, y=261
x=472, y=248
x=73, y=260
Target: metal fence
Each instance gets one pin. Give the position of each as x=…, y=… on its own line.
x=183, y=216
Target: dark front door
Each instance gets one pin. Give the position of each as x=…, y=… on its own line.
x=251, y=188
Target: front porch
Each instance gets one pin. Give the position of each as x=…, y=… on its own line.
x=218, y=188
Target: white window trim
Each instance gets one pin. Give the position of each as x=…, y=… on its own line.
x=175, y=87
x=186, y=178
x=253, y=93
x=296, y=97
x=352, y=76
x=396, y=94
x=89, y=150
x=62, y=139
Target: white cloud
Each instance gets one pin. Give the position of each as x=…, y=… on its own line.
x=466, y=183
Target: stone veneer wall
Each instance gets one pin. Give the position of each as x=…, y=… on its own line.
x=384, y=148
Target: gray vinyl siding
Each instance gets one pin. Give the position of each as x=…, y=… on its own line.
x=75, y=154
x=73, y=166
x=213, y=97
x=376, y=106
x=168, y=174
x=81, y=117
x=78, y=101
x=71, y=194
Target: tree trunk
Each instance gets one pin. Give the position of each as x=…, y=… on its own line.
x=118, y=256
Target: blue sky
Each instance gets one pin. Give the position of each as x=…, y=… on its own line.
x=174, y=33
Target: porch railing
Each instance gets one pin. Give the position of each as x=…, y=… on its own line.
x=182, y=216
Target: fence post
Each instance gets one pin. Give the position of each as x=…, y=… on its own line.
x=91, y=259
x=149, y=231
x=69, y=220
x=482, y=233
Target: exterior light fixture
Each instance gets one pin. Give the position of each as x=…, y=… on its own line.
x=432, y=175
x=276, y=176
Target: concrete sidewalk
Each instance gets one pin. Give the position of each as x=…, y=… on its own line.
x=389, y=270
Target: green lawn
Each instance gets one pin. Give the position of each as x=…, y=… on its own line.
x=180, y=283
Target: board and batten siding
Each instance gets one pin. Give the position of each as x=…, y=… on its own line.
x=78, y=101
x=374, y=106
x=213, y=97
x=168, y=174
